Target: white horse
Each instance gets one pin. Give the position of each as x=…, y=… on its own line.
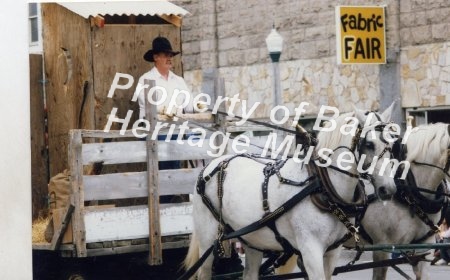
x=391, y=221
x=308, y=229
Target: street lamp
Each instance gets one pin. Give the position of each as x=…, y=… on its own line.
x=274, y=43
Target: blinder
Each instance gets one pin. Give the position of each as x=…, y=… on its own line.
x=359, y=142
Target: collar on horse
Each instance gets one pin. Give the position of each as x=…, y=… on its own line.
x=329, y=200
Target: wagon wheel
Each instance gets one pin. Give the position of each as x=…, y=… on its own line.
x=76, y=276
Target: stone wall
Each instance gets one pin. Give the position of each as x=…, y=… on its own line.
x=425, y=73
x=424, y=22
x=425, y=53
x=229, y=35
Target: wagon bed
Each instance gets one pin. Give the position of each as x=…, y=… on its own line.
x=110, y=229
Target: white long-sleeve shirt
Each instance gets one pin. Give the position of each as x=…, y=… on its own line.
x=172, y=83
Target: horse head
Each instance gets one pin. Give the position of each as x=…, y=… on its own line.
x=428, y=152
x=359, y=151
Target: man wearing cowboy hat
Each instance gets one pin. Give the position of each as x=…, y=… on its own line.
x=161, y=55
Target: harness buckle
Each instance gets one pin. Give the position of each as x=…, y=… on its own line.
x=265, y=204
x=436, y=229
x=355, y=233
x=353, y=229
x=207, y=178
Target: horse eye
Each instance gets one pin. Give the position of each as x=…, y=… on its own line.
x=370, y=145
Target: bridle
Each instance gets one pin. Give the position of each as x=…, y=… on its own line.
x=357, y=145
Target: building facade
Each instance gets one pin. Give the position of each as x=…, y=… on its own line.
x=227, y=37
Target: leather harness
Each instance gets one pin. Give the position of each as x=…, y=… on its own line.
x=318, y=185
x=409, y=194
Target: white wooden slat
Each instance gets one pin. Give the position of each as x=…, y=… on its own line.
x=133, y=184
x=115, y=186
x=107, y=134
x=178, y=181
x=134, y=151
x=114, y=152
x=175, y=151
x=132, y=222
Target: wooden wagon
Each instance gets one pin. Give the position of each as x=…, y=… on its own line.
x=105, y=229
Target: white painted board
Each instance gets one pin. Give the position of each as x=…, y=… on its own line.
x=120, y=223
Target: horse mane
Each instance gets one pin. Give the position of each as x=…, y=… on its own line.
x=428, y=142
x=333, y=139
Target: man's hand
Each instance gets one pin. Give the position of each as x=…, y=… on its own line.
x=168, y=113
x=200, y=106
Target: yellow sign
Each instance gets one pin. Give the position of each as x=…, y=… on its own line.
x=360, y=34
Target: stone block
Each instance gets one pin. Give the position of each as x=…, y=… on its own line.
x=206, y=20
x=407, y=20
x=192, y=47
x=323, y=47
x=223, y=59
x=447, y=99
x=441, y=32
x=315, y=33
x=307, y=50
x=410, y=94
x=304, y=19
x=228, y=43
x=208, y=45
x=251, y=56
x=436, y=4
x=421, y=18
x=221, y=5
x=406, y=6
x=418, y=5
x=207, y=6
x=208, y=59
x=421, y=34
x=191, y=62
x=225, y=18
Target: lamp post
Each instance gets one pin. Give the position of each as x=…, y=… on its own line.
x=274, y=43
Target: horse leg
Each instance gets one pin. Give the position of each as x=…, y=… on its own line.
x=301, y=266
x=253, y=259
x=330, y=261
x=421, y=270
x=379, y=273
x=203, y=236
x=205, y=271
x=312, y=253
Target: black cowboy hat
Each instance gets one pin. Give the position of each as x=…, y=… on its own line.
x=159, y=45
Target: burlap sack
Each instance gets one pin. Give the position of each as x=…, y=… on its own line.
x=59, y=190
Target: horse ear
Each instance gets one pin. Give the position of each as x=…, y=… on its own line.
x=360, y=115
x=386, y=115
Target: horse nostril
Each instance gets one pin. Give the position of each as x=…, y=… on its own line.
x=383, y=193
